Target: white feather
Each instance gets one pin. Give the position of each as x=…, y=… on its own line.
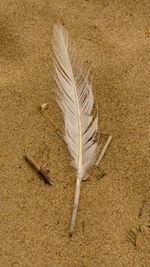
x=76, y=101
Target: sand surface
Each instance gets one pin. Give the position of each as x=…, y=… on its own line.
x=113, y=222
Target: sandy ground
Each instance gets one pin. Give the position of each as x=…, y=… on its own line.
x=113, y=222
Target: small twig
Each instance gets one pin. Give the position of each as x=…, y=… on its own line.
x=83, y=226
x=103, y=151
x=45, y=164
x=38, y=169
x=43, y=108
x=100, y=176
x=142, y=209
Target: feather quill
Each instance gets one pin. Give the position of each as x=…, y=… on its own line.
x=75, y=98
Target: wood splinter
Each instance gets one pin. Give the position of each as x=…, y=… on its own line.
x=38, y=169
x=103, y=151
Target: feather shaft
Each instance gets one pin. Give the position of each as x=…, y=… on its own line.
x=75, y=205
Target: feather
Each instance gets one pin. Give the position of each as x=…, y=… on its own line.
x=75, y=98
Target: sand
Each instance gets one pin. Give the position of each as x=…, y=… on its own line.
x=113, y=39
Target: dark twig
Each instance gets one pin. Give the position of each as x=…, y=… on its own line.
x=38, y=169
